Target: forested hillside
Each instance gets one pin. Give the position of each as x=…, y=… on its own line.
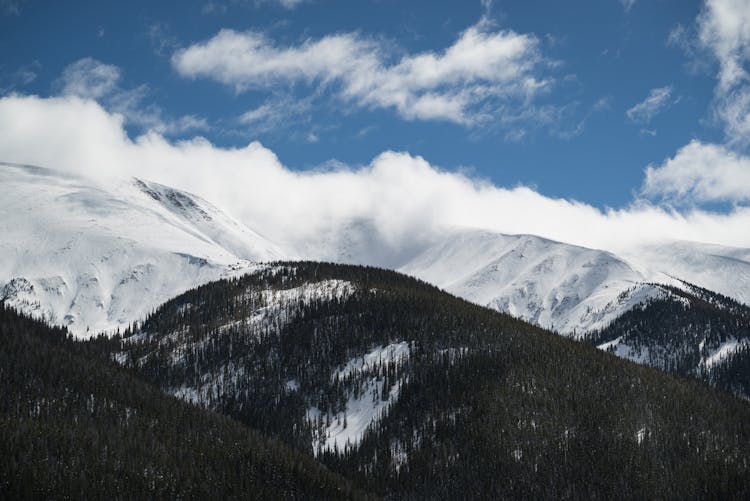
x=692, y=331
x=74, y=426
x=413, y=393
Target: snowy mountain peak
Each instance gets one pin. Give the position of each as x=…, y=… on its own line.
x=99, y=254
x=96, y=255
x=211, y=223
x=554, y=285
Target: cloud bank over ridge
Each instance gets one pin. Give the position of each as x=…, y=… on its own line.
x=404, y=197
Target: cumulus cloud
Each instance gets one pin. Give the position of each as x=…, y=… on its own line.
x=480, y=72
x=403, y=197
x=89, y=78
x=724, y=30
x=657, y=101
x=701, y=172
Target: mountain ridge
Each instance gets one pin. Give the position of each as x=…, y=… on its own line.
x=115, y=236
x=96, y=257
x=417, y=393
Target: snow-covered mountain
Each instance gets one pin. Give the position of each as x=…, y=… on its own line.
x=722, y=269
x=572, y=289
x=691, y=331
x=563, y=287
x=98, y=255
x=395, y=377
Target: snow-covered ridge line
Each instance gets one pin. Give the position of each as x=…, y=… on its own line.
x=562, y=287
x=275, y=310
x=277, y=302
x=714, y=328
x=97, y=256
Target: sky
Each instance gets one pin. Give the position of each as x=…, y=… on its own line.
x=629, y=119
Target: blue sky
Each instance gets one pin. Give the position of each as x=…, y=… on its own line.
x=602, y=60
x=595, y=122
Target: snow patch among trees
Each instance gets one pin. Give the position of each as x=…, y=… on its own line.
x=368, y=403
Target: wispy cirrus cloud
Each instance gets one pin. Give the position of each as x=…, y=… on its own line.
x=220, y=6
x=162, y=39
x=482, y=72
x=287, y=4
x=11, y=7
x=20, y=77
x=658, y=100
x=89, y=78
x=627, y=4
x=276, y=113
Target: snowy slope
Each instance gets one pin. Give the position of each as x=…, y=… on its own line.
x=573, y=289
x=364, y=407
x=691, y=331
x=567, y=288
x=98, y=255
x=722, y=269
x=249, y=333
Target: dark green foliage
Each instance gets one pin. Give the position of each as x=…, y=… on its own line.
x=74, y=425
x=733, y=373
x=488, y=406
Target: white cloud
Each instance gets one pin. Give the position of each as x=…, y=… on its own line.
x=21, y=77
x=482, y=68
x=701, y=172
x=275, y=114
x=724, y=27
x=627, y=4
x=161, y=38
x=289, y=4
x=405, y=197
x=657, y=101
x=724, y=30
x=89, y=78
x=260, y=114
